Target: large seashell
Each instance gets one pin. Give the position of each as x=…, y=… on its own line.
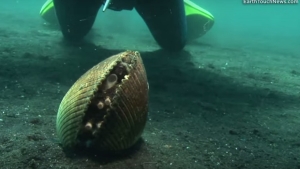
x=107, y=106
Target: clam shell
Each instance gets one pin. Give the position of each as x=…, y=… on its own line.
x=117, y=125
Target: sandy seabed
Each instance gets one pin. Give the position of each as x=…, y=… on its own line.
x=210, y=106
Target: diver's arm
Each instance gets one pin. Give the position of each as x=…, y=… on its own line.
x=166, y=21
x=76, y=17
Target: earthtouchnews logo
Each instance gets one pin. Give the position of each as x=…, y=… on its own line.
x=270, y=1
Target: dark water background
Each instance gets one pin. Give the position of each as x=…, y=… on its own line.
x=258, y=26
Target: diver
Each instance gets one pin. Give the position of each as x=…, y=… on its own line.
x=165, y=18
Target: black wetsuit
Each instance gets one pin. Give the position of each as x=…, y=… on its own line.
x=164, y=18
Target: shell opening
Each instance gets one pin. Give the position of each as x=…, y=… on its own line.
x=101, y=104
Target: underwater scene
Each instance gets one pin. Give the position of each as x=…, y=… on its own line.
x=149, y=84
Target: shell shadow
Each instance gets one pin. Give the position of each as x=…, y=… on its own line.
x=103, y=157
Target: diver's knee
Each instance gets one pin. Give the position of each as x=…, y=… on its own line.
x=172, y=45
x=76, y=17
x=166, y=21
x=77, y=31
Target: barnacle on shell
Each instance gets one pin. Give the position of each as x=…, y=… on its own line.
x=107, y=106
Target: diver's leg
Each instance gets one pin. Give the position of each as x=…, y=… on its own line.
x=166, y=21
x=76, y=17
